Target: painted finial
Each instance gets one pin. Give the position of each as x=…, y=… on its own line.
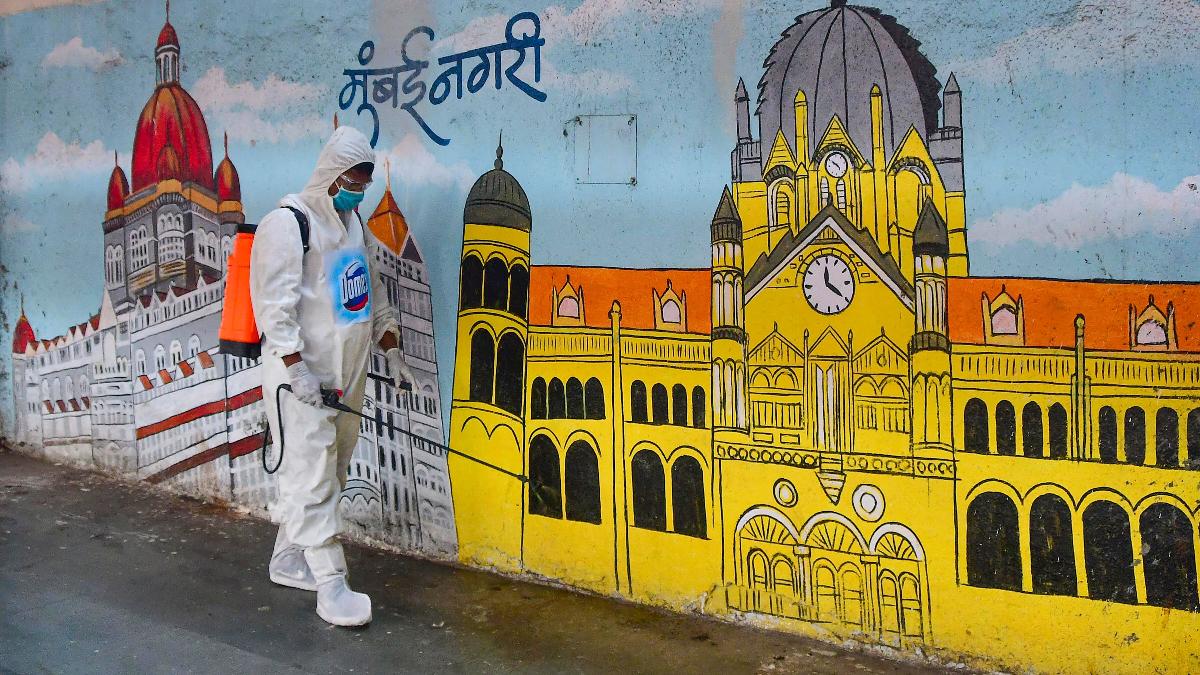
x=499, y=164
x=168, y=11
x=226, y=145
x=116, y=161
x=335, y=122
x=387, y=166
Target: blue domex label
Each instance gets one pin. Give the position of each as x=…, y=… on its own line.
x=350, y=286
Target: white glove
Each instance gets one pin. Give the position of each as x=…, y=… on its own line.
x=401, y=373
x=305, y=386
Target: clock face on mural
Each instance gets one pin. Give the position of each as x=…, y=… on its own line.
x=836, y=164
x=828, y=284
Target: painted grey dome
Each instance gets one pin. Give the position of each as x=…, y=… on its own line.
x=497, y=198
x=835, y=56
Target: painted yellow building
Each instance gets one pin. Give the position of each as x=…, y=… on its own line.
x=834, y=430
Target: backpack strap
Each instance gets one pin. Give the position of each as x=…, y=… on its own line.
x=302, y=221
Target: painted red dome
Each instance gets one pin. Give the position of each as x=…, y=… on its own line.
x=22, y=335
x=229, y=186
x=118, y=188
x=167, y=36
x=172, y=117
x=168, y=164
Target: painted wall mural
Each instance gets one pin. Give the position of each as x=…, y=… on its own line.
x=740, y=349
x=140, y=387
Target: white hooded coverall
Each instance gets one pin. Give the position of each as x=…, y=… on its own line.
x=312, y=303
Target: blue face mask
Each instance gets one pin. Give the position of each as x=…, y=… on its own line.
x=346, y=200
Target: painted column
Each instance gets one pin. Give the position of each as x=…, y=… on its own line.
x=620, y=513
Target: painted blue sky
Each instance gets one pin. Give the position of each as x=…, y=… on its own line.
x=1081, y=143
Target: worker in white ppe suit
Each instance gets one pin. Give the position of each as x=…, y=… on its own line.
x=319, y=313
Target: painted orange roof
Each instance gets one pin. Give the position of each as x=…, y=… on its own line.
x=388, y=225
x=1051, y=305
x=632, y=288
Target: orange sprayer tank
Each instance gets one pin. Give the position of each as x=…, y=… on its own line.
x=239, y=333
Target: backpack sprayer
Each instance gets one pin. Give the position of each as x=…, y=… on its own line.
x=240, y=337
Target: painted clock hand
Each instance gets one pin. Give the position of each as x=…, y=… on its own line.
x=831, y=286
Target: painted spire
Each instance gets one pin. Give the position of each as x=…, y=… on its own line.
x=499, y=164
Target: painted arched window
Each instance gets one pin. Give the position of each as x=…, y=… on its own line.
x=649, y=491
x=659, y=405
x=841, y=194
x=1108, y=434
x=193, y=346
x=1051, y=547
x=537, y=399
x=483, y=366
x=756, y=564
x=783, y=209
x=671, y=312
x=1135, y=436
x=574, y=399
x=637, y=401
x=1152, y=333
x=783, y=574
x=1058, y=431
x=823, y=197
x=139, y=362
x=993, y=543
x=1108, y=553
x=1032, y=438
x=699, y=407
x=545, y=491
x=1169, y=558
x=510, y=373
x=558, y=400
x=495, y=284
x=975, y=426
x=568, y=307
x=679, y=405
x=46, y=390
x=1193, y=439
x=518, y=294
x=176, y=352
x=582, y=483
x=1006, y=428
x=1004, y=321
x=160, y=358
x=69, y=389
x=687, y=497
x=170, y=236
x=1166, y=438
x=852, y=596
x=470, y=283
x=593, y=398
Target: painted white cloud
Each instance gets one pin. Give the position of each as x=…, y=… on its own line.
x=1125, y=206
x=1109, y=35
x=10, y=7
x=413, y=164
x=74, y=54
x=593, y=81
x=55, y=159
x=270, y=111
x=15, y=223
x=591, y=21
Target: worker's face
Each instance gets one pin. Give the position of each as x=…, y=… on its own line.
x=354, y=180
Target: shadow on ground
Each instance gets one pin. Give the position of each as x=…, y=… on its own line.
x=102, y=576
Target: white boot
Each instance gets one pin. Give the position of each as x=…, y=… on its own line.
x=288, y=566
x=336, y=603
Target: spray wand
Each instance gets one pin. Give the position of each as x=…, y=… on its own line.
x=332, y=399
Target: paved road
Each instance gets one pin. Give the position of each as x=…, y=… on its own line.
x=101, y=576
